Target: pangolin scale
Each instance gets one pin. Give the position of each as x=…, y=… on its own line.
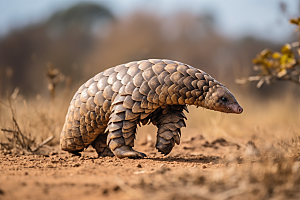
x=106, y=110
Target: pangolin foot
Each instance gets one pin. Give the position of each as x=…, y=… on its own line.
x=105, y=152
x=127, y=151
x=165, y=149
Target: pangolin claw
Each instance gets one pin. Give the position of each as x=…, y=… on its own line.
x=126, y=151
x=164, y=149
x=106, y=152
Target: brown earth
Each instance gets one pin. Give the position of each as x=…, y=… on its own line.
x=58, y=175
x=254, y=155
x=196, y=169
x=250, y=156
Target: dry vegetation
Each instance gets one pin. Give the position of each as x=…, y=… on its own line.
x=282, y=66
x=250, y=156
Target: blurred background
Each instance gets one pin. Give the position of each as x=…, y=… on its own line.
x=49, y=48
x=81, y=38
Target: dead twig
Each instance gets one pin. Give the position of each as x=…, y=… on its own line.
x=43, y=143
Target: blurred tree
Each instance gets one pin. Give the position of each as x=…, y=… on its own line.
x=83, y=13
x=64, y=40
x=83, y=16
x=69, y=41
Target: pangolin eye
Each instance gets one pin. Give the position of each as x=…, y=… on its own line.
x=224, y=99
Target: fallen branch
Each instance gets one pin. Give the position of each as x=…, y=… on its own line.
x=43, y=143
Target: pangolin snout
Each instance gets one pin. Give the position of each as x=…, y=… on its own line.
x=235, y=108
x=239, y=110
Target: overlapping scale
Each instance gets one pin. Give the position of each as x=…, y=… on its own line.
x=116, y=100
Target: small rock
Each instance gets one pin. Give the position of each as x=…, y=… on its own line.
x=76, y=165
x=204, y=167
x=7, y=152
x=139, y=172
x=116, y=188
x=188, y=147
x=221, y=141
x=162, y=169
x=139, y=166
x=49, y=166
x=251, y=149
x=82, y=158
x=54, y=161
x=105, y=192
x=53, y=153
x=163, y=166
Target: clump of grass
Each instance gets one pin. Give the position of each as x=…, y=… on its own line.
x=43, y=119
x=16, y=138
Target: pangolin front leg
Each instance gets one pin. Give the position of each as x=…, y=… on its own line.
x=122, y=129
x=169, y=121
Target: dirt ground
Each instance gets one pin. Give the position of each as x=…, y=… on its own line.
x=196, y=169
x=251, y=156
x=58, y=175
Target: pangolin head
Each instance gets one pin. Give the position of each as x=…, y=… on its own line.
x=219, y=98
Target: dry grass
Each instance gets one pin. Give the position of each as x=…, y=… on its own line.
x=25, y=125
x=16, y=138
x=267, y=123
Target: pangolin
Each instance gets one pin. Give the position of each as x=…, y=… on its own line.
x=106, y=110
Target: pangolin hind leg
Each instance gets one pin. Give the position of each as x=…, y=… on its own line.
x=121, y=134
x=169, y=121
x=101, y=147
